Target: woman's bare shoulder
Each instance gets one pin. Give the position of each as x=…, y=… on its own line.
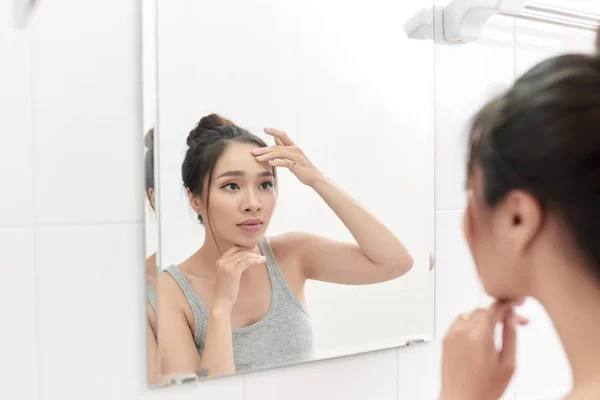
x=288, y=248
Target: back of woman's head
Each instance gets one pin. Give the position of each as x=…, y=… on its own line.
x=206, y=143
x=149, y=164
x=543, y=137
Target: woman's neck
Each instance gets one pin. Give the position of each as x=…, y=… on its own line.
x=204, y=261
x=572, y=299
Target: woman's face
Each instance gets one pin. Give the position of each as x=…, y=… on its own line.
x=496, y=238
x=242, y=197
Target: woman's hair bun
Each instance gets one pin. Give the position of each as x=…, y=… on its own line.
x=207, y=124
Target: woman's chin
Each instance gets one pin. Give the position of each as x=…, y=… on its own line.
x=248, y=242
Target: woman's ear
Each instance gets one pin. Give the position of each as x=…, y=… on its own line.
x=195, y=202
x=525, y=218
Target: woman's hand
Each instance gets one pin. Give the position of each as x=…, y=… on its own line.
x=472, y=368
x=286, y=154
x=230, y=267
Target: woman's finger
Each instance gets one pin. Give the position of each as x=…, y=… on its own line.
x=243, y=263
x=498, y=311
x=277, y=154
x=281, y=163
x=230, y=251
x=240, y=255
x=470, y=316
x=281, y=135
x=521, y=320
x=509, y=341
x=264, y=150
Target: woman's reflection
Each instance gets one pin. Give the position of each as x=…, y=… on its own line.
x=238, y=303
x=151, y=273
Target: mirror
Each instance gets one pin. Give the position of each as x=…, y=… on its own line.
x=322, y=248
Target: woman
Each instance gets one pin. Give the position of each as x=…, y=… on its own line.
x=533, y=226
x=151, y=273
x=238, y=302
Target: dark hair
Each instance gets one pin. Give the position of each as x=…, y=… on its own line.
x=149, y=163
x=542, y=136
x=207, y=142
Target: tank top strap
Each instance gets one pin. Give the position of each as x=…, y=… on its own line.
x=280, y=286
x=198, y=308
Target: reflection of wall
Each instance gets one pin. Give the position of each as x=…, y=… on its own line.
x=76, y=241
x=149, y=63
x=151, y=230
x=362, y=113
x=149, y=107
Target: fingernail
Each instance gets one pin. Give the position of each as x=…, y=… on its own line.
x=259, y=158
x=272, y=162
x=255, y=151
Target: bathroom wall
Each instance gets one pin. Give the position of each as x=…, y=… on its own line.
x=71, y=218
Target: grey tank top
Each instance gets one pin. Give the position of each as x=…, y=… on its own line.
x=283, y=336
x=153, y=300
x=151, y=296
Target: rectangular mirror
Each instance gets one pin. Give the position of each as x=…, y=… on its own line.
x=322, y=248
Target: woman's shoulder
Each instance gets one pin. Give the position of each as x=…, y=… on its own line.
x=169, y=290
x=290, y=248
x=293, y=241
x=288, y=242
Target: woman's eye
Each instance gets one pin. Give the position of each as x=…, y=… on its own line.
x=266, y=186
x=231, y=186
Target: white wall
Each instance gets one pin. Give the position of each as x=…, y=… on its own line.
x=71, y=226
x=149, y=91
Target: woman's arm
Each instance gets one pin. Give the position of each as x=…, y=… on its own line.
x=379, y=248
x=218, y=351
x=177, y=350
x=378, y=255
x=178, y=353
x=153, y=360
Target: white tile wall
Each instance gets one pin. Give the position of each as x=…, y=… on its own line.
x=16, y=167
x=19, y=332
x=87, y=99
x=371, y=375
x=487, y=66
x=71, y=285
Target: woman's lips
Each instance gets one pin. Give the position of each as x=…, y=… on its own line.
x=251, y=228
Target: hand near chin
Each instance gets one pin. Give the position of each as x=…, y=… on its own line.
x=472, y=368
x=288, y=155
x=253, y=248
x=230, y=267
